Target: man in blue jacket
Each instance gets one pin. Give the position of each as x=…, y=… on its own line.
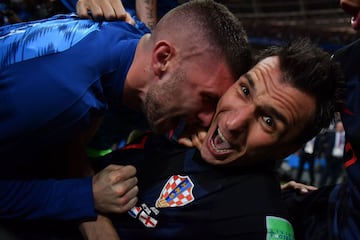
x=57, y=78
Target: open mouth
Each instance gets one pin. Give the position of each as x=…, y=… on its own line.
x=219, y=144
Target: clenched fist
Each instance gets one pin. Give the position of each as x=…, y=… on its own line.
x=115, y=189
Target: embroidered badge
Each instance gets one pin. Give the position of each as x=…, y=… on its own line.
x=176, y=192
x=278, y=228
x=148, y=221
x=143, y=214
x=134, y=212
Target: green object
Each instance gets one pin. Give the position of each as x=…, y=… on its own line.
x=94, y=153
x=278, y=228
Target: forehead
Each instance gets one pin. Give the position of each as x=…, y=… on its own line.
x=270, y=91
x=211, y=76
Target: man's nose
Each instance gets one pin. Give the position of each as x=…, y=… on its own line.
x=239, y=119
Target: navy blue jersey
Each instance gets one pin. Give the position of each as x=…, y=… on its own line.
x=345, y=198
x=56, y=75
x=333, y=212
x=183, y=197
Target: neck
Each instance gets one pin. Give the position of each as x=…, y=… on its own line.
x=138, y=78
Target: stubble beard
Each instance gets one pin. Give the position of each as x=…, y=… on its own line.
x=155, y=108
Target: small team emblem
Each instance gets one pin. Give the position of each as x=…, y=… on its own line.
x=143, y=215
x=134, y=212
x=148, y=221
x=176, y=192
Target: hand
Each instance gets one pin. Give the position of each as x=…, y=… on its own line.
x=102, y=228
x=108, y=9
x=115, y=189
x=196, y=140
x=301, y=188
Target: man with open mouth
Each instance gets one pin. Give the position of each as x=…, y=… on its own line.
x=228, y=189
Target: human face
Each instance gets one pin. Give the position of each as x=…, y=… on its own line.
x=352, y=7
x=189, y=93
x=258, y=118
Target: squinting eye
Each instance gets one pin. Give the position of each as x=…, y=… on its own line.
x=245, y=90
x=268, y=121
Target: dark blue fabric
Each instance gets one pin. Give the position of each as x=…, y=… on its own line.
x=333, y=212
x=226, y=203
x=345, y=199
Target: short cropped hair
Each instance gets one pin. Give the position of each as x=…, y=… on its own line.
x=310, y=69
x=215, y=23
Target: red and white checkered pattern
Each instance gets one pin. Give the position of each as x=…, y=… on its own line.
x=178, y=191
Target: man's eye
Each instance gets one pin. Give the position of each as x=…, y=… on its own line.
x=269, y=121
x=245, y=90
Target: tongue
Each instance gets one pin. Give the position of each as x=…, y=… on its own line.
x=220, y=144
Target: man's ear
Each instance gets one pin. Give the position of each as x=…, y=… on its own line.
x=162, y=53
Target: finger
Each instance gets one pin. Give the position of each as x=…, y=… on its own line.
x=197, y=141
x=126, y=202
x=113, y=167
x=116, y=167
x=287, y=185
x=123, y=173
x=97, y=12
x=81, y=9
x=119, y=10
x=185, y=141
x=312, y=188
x=107, y=11
x=202, y=135
x=128, y=196
x=122, y=187
x=126, y=207
x=129, y=19
x=303, y=186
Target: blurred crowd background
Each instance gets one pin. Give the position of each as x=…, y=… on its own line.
x=267, y=22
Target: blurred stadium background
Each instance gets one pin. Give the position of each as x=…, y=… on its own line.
x=272, y=22
x=266, y=21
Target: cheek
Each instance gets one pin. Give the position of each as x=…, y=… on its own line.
x=192, y=100
x=260, y=142
x=230, y=100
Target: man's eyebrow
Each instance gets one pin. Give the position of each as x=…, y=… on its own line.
x=250, y=80
x=268, y=109
x=276, y=113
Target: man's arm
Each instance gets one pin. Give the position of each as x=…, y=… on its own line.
x=102, y=228
x=146, y=11
x=70, y=199
x=113, y=190
x=348, y=58
x=99, y=9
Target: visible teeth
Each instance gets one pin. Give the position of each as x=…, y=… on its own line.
x=219, y=143
x=220, y=135
x=217, y=149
